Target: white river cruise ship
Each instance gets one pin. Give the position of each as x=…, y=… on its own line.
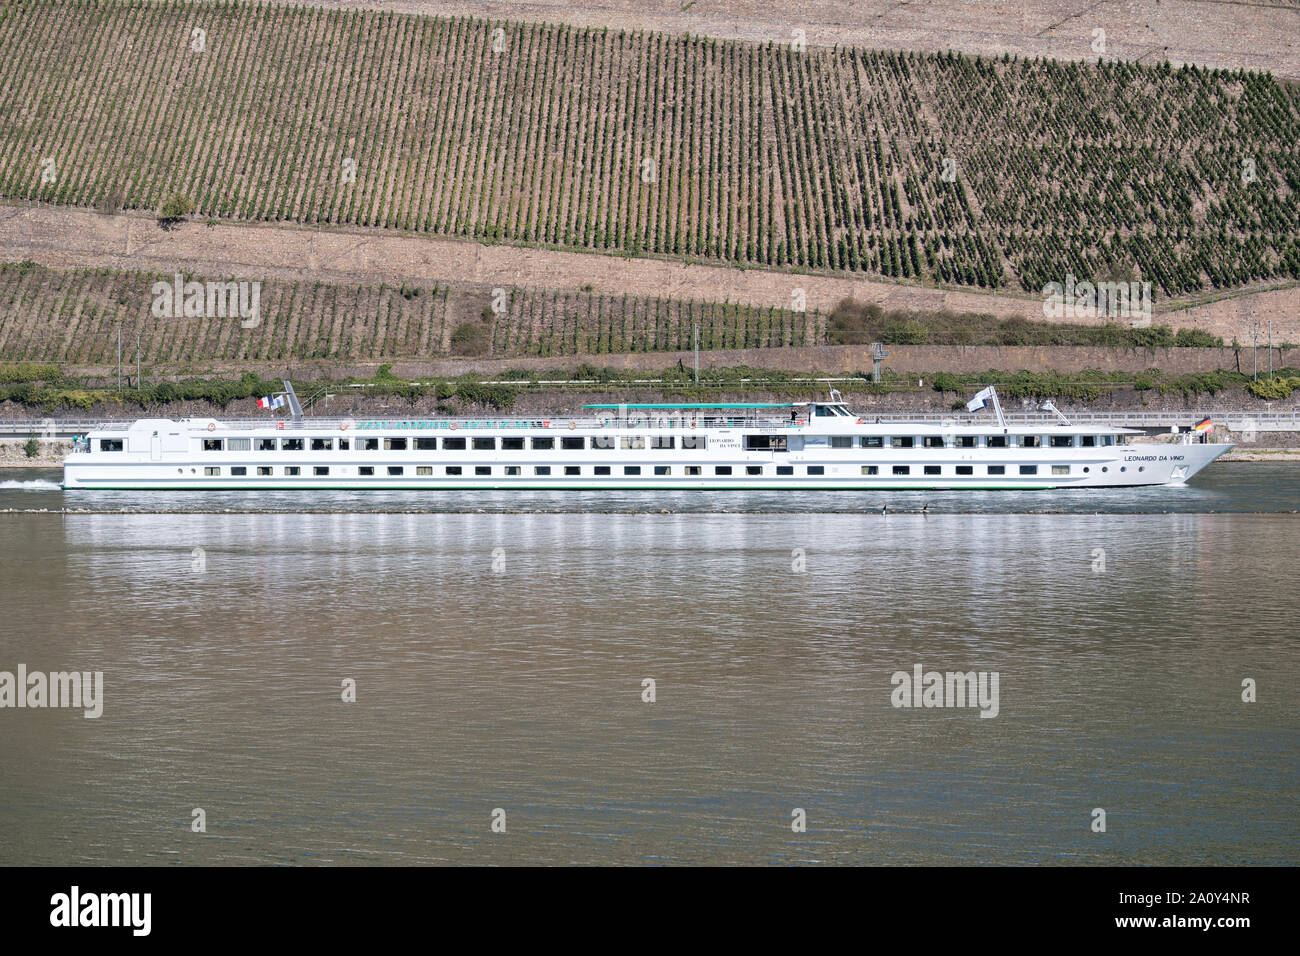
x=805, y=446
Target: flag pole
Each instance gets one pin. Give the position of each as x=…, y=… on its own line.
x=997, y=407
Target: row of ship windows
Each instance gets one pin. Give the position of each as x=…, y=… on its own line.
x=633, y=442
x=690, y=471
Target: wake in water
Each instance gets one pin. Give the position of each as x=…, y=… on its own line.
x=36, y=484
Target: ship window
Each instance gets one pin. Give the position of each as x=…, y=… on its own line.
x=543, y=444
x=1031, y=441
x=542, y=469
x=965, y=441
x=212, y=472
x=482, y=470
x=902, y=469
x=322, y=444
x=212, y=444
x=997, y=469
x=785, y=469
x=485, y=444
x=965, y=470
x=515, y=443
x=239, y=471
x=871, y=469
x=292, y=471
x=765, y=442
x=239, y=444
x=933, y=470
x=344, y=444
x=1107, y=440
x=602, y=469
x=816, y=470
x=426, y=444
x=264, y=470
x=1062, y=441
x=841, y=441
x=632, y=470
x=366, y=471
x=663, y=470
x=722, y=470
x=1087, y=441
x=453, y=444
x=266, y=444
x=753, y=469
x=693, y=471
x=1060, y=469
x=367, y=444
x=1029, y=469
x=571, y=470
x=453, y=470
x=423, y=470
x=110, y=444
x=394, y=444
x=291, y=444
x=662, y=441
x=395, y=470
x=824, y=412
x=513, y=471
x=322, y=470
x=572, y=444
x=933, y=441
x=997, y=441
x=871, y=441
x=901, y=441
x=633, y=441
x=602, y=441
x=695, y=441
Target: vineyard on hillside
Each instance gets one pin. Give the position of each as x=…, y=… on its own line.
x=73, y=317
x=943, y=167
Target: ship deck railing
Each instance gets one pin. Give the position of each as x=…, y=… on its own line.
x=1262, y=420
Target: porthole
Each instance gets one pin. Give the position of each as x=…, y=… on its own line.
x=1123, y=467
x=1142, y=467
x=1104, y=469
x=1086, y=469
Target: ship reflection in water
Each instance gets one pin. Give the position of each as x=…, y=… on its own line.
x=500, y=661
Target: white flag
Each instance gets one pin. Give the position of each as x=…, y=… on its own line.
x=980, y=400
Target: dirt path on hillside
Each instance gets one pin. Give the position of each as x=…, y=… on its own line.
x=62, y=237
x=1255, y=35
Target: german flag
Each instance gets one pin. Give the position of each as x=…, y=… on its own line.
x=1204, y=425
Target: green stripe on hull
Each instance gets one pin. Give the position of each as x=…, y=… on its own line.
x=571, y=488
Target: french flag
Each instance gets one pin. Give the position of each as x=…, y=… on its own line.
x=265, y=402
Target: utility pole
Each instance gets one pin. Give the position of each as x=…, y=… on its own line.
x=119, y=358
x=695, y=326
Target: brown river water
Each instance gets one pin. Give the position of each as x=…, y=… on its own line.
x=499, y=649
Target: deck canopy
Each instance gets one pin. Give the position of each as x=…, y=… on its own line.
x=702, y=405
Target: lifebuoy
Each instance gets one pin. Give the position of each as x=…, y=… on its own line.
x=572, y=425
x=453, y=426
x=279, y=424
x=212, y=426
x=343, y=426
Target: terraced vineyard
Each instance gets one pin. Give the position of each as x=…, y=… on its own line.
x=72, y=317
x=939, y=167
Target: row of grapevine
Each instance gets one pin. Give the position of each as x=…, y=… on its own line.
x=73, y=317
x=938, y=167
